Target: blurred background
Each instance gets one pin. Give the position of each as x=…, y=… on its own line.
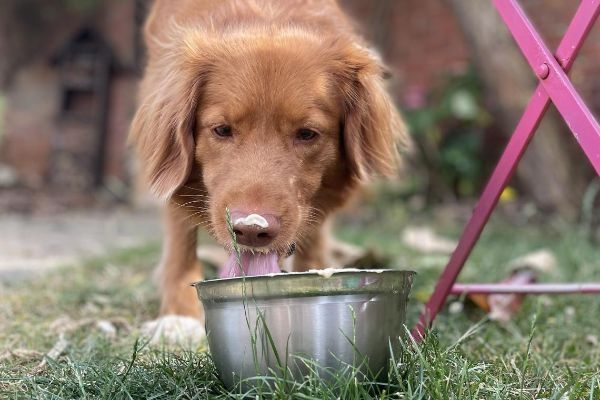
x=69, y=70
x=70, y=197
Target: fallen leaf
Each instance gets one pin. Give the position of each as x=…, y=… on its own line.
x=456, y=307
x=480, y=300
x=56, y=351
x=425, y=240
x=107, y=328
x=503, y=306
x=592, y=340
x=570, y=312
x=542, y=260
x=341, y=254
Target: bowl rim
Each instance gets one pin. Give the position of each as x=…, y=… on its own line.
x=325, y=282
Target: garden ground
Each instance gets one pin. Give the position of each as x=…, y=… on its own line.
x=74, y=333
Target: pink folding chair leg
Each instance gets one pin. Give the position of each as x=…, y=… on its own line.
x=554, y=84
x=570, y=105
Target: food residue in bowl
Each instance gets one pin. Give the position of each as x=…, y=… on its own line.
x=328, y=272
x=325, y=273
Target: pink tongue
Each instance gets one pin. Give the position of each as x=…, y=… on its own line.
x=253, y=264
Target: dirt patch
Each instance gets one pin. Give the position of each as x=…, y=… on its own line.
x=34, y=244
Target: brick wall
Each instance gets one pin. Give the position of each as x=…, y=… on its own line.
x=31, y=108
x=31, y=128
x=423, y=42
x=420, y=41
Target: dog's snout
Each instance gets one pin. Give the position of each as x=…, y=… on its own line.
x=255, y=230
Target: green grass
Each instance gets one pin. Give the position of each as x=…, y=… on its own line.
x=549, y=350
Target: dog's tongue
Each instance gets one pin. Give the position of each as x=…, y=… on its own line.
x=253, y=264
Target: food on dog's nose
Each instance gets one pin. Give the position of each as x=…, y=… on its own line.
x=256, y=230
x=252, y=219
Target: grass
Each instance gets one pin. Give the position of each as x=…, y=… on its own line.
x=548, y=351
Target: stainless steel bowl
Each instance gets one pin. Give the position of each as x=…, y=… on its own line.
x=265, y=325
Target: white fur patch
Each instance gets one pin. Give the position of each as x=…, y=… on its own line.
x=174, y=330
x=252, y=219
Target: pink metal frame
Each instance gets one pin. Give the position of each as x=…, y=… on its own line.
x=554, y=86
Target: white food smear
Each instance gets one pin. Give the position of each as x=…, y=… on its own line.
x=252, y=219
x=328, y=272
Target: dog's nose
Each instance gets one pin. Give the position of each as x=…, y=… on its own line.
x=254, y=230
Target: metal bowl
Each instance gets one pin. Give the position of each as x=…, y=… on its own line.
x=275, y=324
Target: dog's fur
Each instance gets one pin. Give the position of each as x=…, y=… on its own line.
x=270, y=70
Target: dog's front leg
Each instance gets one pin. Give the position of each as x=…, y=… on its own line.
x=181, y=320
x=179, y=266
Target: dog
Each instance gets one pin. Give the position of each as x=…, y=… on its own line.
x=257, y=119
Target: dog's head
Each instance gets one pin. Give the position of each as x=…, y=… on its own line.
x=281, y=124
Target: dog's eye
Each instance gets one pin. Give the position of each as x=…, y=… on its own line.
x=306, y=135
x=223, y=131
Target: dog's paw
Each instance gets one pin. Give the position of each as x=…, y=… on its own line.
x=174, y=330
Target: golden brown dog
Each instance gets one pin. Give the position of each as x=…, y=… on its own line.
x=275, y=110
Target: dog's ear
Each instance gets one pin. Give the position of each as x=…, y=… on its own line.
x=373, y=130
x=162, y=130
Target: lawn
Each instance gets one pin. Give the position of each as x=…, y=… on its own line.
x=548, y=351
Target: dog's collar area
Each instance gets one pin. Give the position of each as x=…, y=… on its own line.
x=291, y=249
